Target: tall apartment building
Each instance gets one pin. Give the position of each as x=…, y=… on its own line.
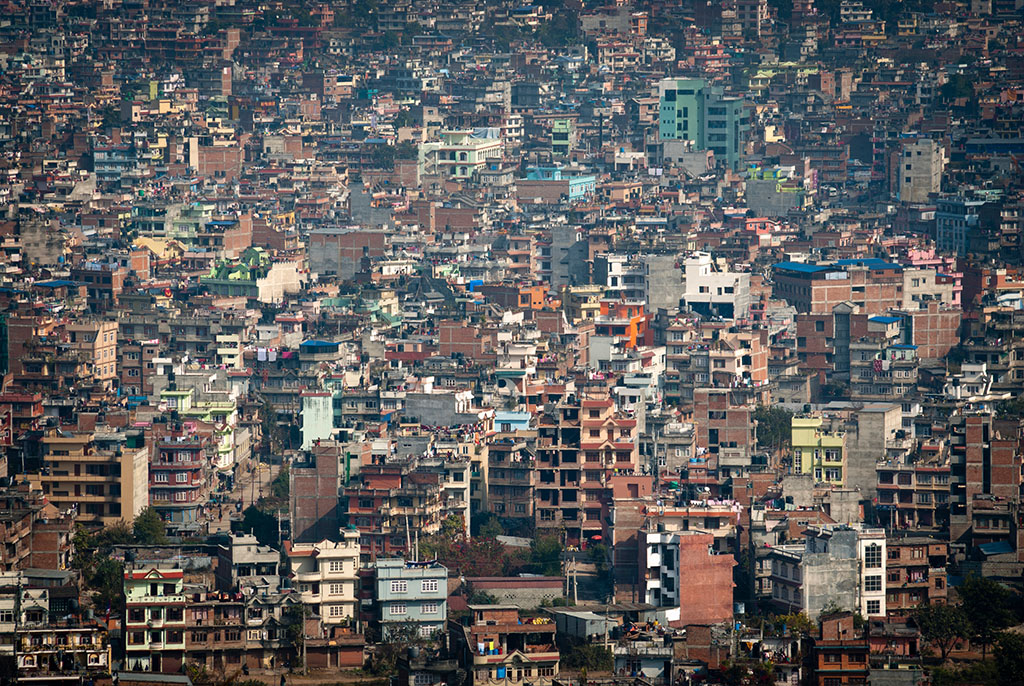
x=681, y=572
x=105, y=481
x=390, y=504
x=725, y=431
x=913, y=496
x=690, y=109
x=915, y=574
x=154, y=623
x=97, y=342
x=985, y=480
x=179, y=478
x=581, y=445
x=512, y=479
x=920, y=170
x=873, y=285
x=836, y=565
x=326, y=574
x=956, y=219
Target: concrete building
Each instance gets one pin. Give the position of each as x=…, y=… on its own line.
x=340, y=251
x=105, y=486
x=461, y=154
x=690, y=109
x=818, y=451
x=154, y=624
x=496, y=647
x=711, y=291
x=246, y=564
x=681, y=572
x=836, y=566
x=921, y=163
x=956, y=219
x=326, y=575
x=412, y=597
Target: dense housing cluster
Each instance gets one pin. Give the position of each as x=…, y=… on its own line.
x=485, y=343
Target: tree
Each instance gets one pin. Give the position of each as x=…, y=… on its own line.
x=1009, y=659
x=279, y=487
x=491, y=529
x=107, y=582
x=592, y=657
x=260, y=524
x=942, y=626
x=986, y=604
x=149, y=528
x=270, y=430
x=798, y=623
x=546, y=556
x=774, y=426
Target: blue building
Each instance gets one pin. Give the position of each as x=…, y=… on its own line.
x=581, y=186
x=411, y=597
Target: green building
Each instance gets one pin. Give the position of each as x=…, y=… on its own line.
x=690, y=109
x=562, y=136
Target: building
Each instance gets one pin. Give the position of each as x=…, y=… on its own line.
x=245, y=564
x=461, y=154
x=690, y=109
x=681, y=572
x=33, y=533
x=105, y=481
x=325, y=575
x=920, y=170
x=712, y=291
x=837, y=566
x=915, y=574
x=818, y=450
x=179, y=478
x=412, y=597
x=154, y=622
x=495, y=646
x=956, y=220
x=841, y=655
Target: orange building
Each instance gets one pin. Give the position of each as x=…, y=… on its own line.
x=625, y=320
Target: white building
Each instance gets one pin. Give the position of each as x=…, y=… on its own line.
x=710, y=290
x=326, y=576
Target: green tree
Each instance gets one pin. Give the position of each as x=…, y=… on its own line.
x=578, y=655
x=774, y=426
x=260, y=524
x=798, y=623
x=491, y=529
x=986, y=604
x=279, y=487
x=942, y=626
x=546, y=556
x=1009, y=659
x=149, y=528
x=270, y=429
x=107, y=584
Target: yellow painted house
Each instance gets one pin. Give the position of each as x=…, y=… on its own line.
x=818, y=451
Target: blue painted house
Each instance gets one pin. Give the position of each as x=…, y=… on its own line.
x=411, y=596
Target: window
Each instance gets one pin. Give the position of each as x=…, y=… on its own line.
x=336, y=589
x=336, y=566
x=399, y=586
x=873, y=583
x=819, y=326
x=422, y=680
x=336, y=611
x=429, y=586
x=181, y=477
x=429, y=608
x=873, y=556
x=874, y=607
x=160, y=477
x=397, y=609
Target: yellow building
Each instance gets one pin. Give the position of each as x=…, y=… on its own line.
x=582, y=303
x=819, y=450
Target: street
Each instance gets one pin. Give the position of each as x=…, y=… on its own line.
x=249, y=487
